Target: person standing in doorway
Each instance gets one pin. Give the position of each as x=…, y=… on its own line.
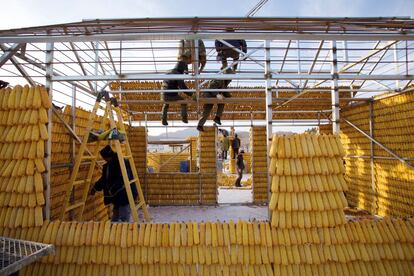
x=235, y=145
x=240, y=168
x=225, y=146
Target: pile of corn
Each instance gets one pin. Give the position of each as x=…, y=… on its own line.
x=208, y=166
x=384, y=247
x=307, y=181
x=172, y=189
x=229, y=180
x=23, y=130
x=226, y=179
x=247, y=183
x=259, y=163
x=391, y=192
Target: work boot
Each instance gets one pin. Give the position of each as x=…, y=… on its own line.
x=184, y=120
x=217, y=120
x=200, y=128
x=164, y=122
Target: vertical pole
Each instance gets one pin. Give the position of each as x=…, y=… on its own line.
x=73, y=122
x=73, y=153
x=146, y=154
x=96, y=64
x=397, y=66
x=335, y=90
x=196, y=72
x=48, y=160
x=371, y=147
x=299, y=62
x=269, y=117
x=195, y=54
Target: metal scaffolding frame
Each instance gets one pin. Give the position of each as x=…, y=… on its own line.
x=297, y=55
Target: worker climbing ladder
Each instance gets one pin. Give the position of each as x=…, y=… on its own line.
x=114, y=134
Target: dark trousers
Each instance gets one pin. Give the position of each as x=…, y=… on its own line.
x=239, y=178
x=229, y=53
x=166, y=106
x=206, y=112
x=235, y=152
x=121, y=213
x=224, y=154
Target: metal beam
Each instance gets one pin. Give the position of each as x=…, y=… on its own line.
x=207, y=36
x=247, y=76
x=48, y=150
x=8, y=53
x=335, y=90
x=42, y=67
x=269, y=115
x=78, y=59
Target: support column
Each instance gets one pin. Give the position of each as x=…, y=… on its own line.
x=397, y=67
x=371, y=147
x=269, y=116
x=335, y=90
x=48, y=150
x=96, y=65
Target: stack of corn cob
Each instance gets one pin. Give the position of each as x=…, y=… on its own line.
x=259, y=163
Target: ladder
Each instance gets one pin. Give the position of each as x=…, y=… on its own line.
x=92, y=156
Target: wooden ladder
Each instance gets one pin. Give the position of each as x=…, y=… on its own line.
x=93, y=156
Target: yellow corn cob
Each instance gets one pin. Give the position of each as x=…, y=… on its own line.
x=196, y=233
x=153, y=235
x=177, y=234
x=106, y=233
x=45, y=98
x=220, y=234
x=37, y=98
x=281, y=153
x=274, y=146
x=43, y=132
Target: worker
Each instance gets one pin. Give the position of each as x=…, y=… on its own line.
x=214, y=84
x=185, y=53
x=112, y=185
x=179, y=68
x=235, y=145
x=224, y=51
x=240, y=168
x=225, y=144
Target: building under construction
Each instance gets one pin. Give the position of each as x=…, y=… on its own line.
x=339, y=201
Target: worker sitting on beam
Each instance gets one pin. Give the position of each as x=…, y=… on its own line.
x=179, y=68
x=215, y=84
x=185, y=53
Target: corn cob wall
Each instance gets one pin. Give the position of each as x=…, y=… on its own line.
x=384, y=247
x=137, y=137
x=156, y=159
x=62, y=154
x=208, y=166
x=172, y=189
x=391, y=193
x=23, y=119
x=307, y=181
x=259, y=163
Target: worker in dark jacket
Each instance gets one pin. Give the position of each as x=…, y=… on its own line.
x=112, y=185
x=224, y=51
x=214, y=84
x=179, y=68
x=235, y=145
x=240, y=168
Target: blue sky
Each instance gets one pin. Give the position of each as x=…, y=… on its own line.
x=23, y=13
